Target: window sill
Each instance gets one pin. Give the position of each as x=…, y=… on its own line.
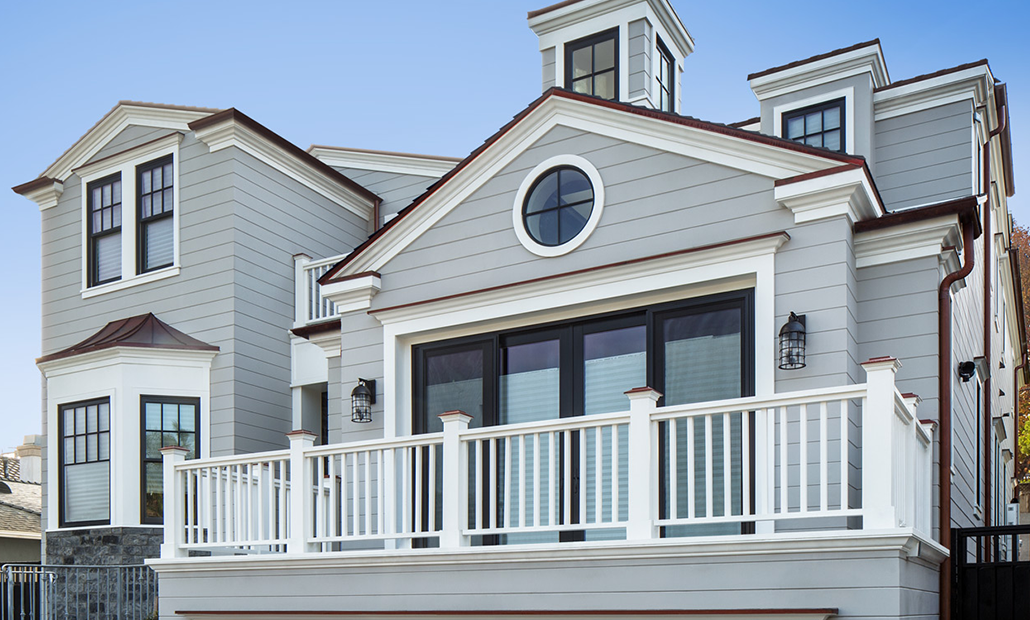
x=118, y=285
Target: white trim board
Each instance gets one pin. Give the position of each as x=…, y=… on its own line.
x=398, y=163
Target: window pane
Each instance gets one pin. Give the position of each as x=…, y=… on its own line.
x=604, y=55
x=168, y=175
x=158, y=203
x=613, y=362
x=702, y=357
x=107, y=196
x=159, y=243
x=86, y=492
x=157, y=178
x=69, y=450
x=548, y=228
x=831, y=118
x=91, y=448
x=109, y=257
x=831, y=140
x=116, y=188
x=581, y=62
x=91, y=419
x=117, y=212
x=105, y=446
x=544, y=194
x=97, y=199
x=153, y=447
x=584, y=86
x=814, y=140
x=80, y=420
x=573, y=220
x=189, y=441
x=813, y=122
x=575, y=187
x=104, y=413
x=69, y=422
x=153, y=501
x=454, y=381
x=80, y=449
x=168, y=199
x=170, y=417
x=105, y=222
x=147, y=210
x=529, y=382
x=795, y=127
x=145, y=186
x=169, y=439
x=187, y=418
x=604, y=85
x=152, y=414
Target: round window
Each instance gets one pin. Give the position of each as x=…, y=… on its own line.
x=558, y=206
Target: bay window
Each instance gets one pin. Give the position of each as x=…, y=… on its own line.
x=85, y=458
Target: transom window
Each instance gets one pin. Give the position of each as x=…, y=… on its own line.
x=104, y=208
x=820, y=125
x=156, y=203
x=85, y=454
x=665, y=72
x=591, y=65
x=558, y=206
x=167, y=421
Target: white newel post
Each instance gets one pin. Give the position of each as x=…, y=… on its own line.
x=300, y=286
x=302, y=480
x=878, y=456
x=925, y=520
x=174, y=506
x=455, y=467
x=643, y=462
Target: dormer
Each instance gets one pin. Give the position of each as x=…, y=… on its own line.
x=825, y=100
x=625, y=50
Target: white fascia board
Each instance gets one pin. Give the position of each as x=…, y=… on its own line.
x=844, y=193
x=738, y=153
x=229, y=133
x=329, y=342
x=89, y=171
x=966, y=85
x=124, y=115
x=865, y=60
x=756, y=127
x=352, y=294
x=124, y=355
x=48, y=196
x=907, y=241
x=20, y=535
x=398, y=163
x=580, y=19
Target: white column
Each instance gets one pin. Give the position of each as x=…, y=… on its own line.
x=301, y=481
x=455, y=487
x=878, y=458
x=174, y=506
x=300, y=285
x=643, y=464
x=924, y=523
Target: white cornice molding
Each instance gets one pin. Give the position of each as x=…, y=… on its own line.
x=740, y=153
x=548, y=26
x=865, y=60
x=125, y=355
x=846, y=193
x=230, y=133
x=328, y=341
x=354, y=293
x=398, y=163
x=122, y=116
x=966, y=85
x=907, y=241
x=123, y=157
x=47, y=196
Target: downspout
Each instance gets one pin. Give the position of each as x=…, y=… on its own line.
x=944, y=371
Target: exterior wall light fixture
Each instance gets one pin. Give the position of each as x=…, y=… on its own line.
x=362, y=398
x=792, y=343
x=966, y=370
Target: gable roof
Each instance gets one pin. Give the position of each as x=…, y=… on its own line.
x=816, y=58
x=21, y=504
x=144, y=331
x=555, y=94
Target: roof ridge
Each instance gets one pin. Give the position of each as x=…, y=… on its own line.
x=21, y=508
x=811, y=59
x=933, y=74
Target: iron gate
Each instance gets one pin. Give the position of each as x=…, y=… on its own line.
x=42, y=592
x=991, y=574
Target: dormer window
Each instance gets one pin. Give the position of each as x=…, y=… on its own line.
x=591, y=65
x=664, y=72
x=819, y=125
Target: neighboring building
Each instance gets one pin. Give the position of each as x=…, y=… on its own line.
x=20, y=500
x=606, y=289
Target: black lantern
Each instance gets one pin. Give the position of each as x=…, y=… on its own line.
x=792, y=343
x=362, y=398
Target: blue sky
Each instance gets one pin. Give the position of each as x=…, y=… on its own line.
x=416, y=76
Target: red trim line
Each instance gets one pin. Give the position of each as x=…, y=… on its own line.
x=234, y=115
x=750, y=121
x=582, y=271
x=930, y=76
x=123, y=151
x=965, y=208
x=810, y=59
x=909, y=395
x=882, y=358
x=548, y=9
x=531, y=612
x=822, y=173
x=33, y=185
x=307, y=331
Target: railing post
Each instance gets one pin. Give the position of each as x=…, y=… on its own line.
x=302, y=479
x=878, y=458
x=455, y=489
x=300, y=285
x=764, y=502
x=174, y=506
x=643, y=463
x=925, y=521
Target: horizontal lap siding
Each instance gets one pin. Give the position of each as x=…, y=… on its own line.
x=396, y=190
x=640, y=46
x=361, y=356
x=925, y=157
x=128, y=138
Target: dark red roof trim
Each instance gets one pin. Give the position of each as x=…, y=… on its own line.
x=1001, y=101
x=965, y=208
x=33, y=185
x=810, y=59
x=353, y=276
x=548, y=9
x=930, y=76
x=829, y=611
x=555, y=276
x=750, y=121
x=234, y=115
x=828, y=172
x=1017, y=282
x=144, y=331
x=307, y=331
x=615, y=105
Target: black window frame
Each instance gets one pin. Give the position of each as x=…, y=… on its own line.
x=92, y=235
x=144, y=399
x=841, y=104
x=62, y=500
x=668, y=89
x=142, y=222
x=559, y=207
x=590, y=41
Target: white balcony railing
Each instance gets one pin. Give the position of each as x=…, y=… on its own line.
x=309, y=305
x=837, y=455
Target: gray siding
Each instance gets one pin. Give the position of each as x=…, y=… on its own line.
x=549, y=77
x=361, y=356
x=641, y=42
x=128, y=138
x=397, y=190
x=925, y=157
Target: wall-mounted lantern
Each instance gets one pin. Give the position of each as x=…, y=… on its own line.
x=966, y=370
x=362, y=398
x=792, y=343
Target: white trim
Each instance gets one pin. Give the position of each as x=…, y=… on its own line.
x=399, y=163
x=847, y=193
x=969, y=84
x=581, y=19
x=230, y=133
x=866, y=60
x=848, y=94
x=574, y=161
x=906, y=242
x=9, y=534
x=353, y=294
x=48, y=196
x=125, y=164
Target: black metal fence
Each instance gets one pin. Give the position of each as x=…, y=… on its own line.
x=991, y=576
x=42, y=592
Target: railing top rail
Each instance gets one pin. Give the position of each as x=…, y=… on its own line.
x=751, y=403
x=560, y=424
x=376, y=444
x=237, y=459
x=965, y=532
x=322, y=262
x=68, y=566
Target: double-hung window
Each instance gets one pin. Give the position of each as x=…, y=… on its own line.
x=819, y=125
x=167, y=421
x=156, y=231
x=85, y=457
x=104, y=214
x=591, y=65
x=665, y=70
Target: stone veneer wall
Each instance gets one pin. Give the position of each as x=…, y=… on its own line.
x=105, y=546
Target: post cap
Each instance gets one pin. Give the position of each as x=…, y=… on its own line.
x=642, y=393
x=456, y=414
x=174, y=450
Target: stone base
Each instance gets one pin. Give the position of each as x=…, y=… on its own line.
x=105, y=546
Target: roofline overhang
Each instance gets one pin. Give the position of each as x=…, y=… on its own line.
x=383, y=161
x=967, y=210
x=862, y=58
x=557, y=16
x=56, y=361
